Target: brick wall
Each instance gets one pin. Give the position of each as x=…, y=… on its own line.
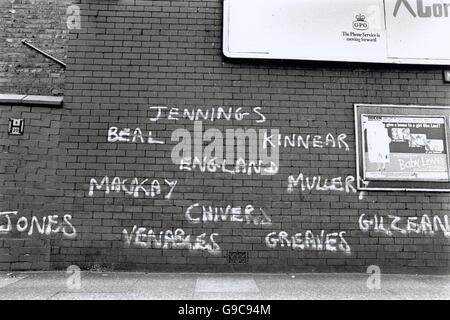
x=43, y=24
x=132, y=55
x=28, y=189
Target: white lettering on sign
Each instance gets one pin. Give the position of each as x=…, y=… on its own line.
x=420, y=163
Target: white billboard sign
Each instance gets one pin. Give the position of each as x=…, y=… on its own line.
x=381, y=31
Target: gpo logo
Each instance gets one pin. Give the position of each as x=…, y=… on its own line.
x=360, y=23
x=436, y=10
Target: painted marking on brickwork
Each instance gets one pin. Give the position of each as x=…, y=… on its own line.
x=178, y=239
x=206, y=114
x=332, y=242
x=196, y=214
x=338, y=184
x=220, y=152
x=362, y=194
x=319, y=183
x=172, y=184
x=447, y=76
x=135, y=136
x=133, y=187
x=73, y=17
x=306, y=141
x=391, y=225
x=46, y=225
x=240, y=166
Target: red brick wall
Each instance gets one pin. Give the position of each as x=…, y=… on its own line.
x=43, y=24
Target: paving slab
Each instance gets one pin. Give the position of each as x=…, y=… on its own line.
x=228, y=296
x=226, y=284
x=198, y=286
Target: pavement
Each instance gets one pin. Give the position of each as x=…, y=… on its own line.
x=207, y=286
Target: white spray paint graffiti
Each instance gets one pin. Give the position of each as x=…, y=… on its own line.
x=73, y=17
x=206, y=114
x=240, y=166
x=125, y=135
x=321, y=184
x=135, y=188
x=363, y=193
x=247, y=215
x=339, y=184
x=178, y=239
x=306, y=142
x=237, y=147
x=390, y=225
x=46, y=225
x=333, y=242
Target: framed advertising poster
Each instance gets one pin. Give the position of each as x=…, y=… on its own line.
x=402, y=147
x=405, y=148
